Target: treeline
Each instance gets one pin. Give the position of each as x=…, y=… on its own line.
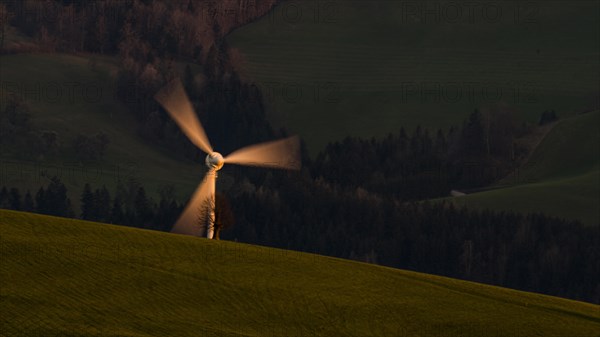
x=51, y=200
x=129, y=205
x=183, y=27
x=292, y=211
x=425, y=165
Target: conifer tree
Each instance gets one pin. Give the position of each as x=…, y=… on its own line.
x=116, y=214
x=4, y=198
x=87, y=203
x=40, y=201
x=14, y=199
x=28, y=204
x=103, y=206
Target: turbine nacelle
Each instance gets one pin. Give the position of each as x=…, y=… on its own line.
x=214, y=161
x=196, y=217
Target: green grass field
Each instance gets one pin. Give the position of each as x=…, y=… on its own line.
x=561, y=177
x=576, y=198
x=74, y=278
x=348, y=67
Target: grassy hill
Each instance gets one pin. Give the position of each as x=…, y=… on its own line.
x=74, y=278
x=571, y=148
x=561, y=177
x=366, y=68
x=575, y=198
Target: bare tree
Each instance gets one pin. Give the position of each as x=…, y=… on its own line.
x=222, y=217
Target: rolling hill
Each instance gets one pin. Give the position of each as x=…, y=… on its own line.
x=74, y=278
x=561, y=177
x=365, y=68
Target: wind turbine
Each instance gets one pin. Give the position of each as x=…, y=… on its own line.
x=283, y=154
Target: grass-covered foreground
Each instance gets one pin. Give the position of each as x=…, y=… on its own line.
x=65, y=277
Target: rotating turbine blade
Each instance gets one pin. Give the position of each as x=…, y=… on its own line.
x=197, y=212
x=173, y=98
x=283, y=153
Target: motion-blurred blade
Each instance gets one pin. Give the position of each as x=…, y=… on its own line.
x=173, y=98
x=195, y=216
x=283, y=153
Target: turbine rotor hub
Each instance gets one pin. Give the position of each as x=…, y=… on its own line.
x=214, y=161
